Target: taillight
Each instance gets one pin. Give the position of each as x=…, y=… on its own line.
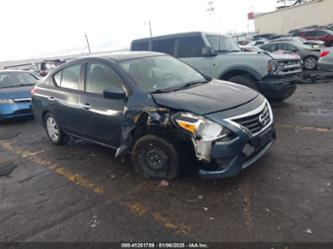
x=324, y=53
x=33, y=91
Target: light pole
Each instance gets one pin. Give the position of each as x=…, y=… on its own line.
x=88, y=45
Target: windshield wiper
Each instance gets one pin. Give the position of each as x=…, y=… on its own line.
x=188, y=84
x=226, y=51
x=192, y=83
x=163, y=91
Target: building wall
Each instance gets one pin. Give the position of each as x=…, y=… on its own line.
x=319, y=12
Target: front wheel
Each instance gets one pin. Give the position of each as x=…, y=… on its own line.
x=53, y=130
x=282, y=95
x=156, y=158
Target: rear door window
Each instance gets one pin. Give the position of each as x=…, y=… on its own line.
x=310, y=33
x=320, y=33
x=270, y=48
x=69, y=77
x=190, y=47
x=100, y=77
x=164, y=46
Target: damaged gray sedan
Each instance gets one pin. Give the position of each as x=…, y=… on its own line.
x=159, y=109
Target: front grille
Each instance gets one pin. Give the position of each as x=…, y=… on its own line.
x=256, y=122
x=290, y=66
x=22, y=100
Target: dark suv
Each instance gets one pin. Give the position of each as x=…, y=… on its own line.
x=219, y=57
x=158, y=108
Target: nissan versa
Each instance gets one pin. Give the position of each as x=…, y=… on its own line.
x=158, y=108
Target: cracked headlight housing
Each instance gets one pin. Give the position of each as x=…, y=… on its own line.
x=273, y=67
x=200, y=127
x=6, y=101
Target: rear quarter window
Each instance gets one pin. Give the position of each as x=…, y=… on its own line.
x=140, y=46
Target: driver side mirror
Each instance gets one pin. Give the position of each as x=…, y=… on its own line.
x=114, y=93
x=207, y=51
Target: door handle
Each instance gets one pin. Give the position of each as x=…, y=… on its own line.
x=86, y=106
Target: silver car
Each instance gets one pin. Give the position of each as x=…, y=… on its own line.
x=326, y=59
x=308, y=54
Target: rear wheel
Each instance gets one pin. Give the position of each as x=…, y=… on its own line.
x=310, y=63
x=156, y=158
x=53, y=130
x=245, y=80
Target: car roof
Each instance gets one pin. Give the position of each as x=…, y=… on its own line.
x=178, y=35
x=122, y=56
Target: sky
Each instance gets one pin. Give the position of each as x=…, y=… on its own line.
x=38, y=28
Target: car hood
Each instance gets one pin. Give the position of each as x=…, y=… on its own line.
x=207, y=98
x=275, y=56
x=16, y=92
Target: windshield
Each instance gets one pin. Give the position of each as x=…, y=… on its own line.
x=161, y=73
x=14, y=79
x=222, y=43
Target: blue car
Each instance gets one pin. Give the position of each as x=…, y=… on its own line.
x=15, y=93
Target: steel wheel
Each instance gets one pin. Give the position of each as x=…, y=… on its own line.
x=52, y=128
x=310, y=63
x=156, y=158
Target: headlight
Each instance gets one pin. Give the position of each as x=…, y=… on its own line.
x=200, y=127
x=6, y=101
x=273, y=67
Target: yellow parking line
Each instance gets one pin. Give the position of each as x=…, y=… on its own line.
x=305, y=128
x=135, y=207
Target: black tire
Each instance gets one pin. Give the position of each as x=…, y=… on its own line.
x=245, y=80
x=156, y=158
x=57, y=136
x=282, y=96
x=310, y=62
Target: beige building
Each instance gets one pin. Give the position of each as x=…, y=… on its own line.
x=319, y=12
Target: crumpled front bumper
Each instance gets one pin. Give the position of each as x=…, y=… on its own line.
x=227, y=156
x=272, y=86
x=238, y=154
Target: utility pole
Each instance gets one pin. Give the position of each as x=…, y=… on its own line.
x=88, y=45
x=150, y=29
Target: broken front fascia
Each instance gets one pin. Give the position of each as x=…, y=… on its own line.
x=203, y=148
x=204, y=133
x=133, y=113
